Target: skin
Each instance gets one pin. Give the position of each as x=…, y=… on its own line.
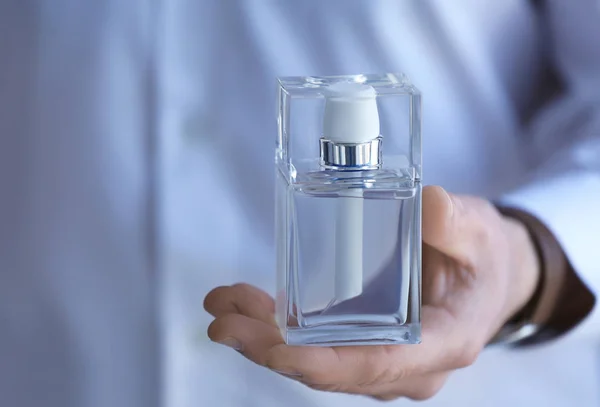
x=479, y=269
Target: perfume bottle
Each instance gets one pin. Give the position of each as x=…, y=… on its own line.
x=348, y=210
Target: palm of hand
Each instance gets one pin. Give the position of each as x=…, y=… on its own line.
x=469, y=259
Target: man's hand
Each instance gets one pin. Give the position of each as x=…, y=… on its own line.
x=479, y=269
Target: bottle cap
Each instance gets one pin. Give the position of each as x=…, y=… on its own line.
x=350, y=127
x=351, y=114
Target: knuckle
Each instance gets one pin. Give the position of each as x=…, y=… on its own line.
x=390, y=373
x=427, y=390
x=486, y=227
x=395, y=373
x=466, y=356
x=385, y=376
x=484, y=234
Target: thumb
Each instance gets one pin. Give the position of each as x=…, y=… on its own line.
x=455, y=225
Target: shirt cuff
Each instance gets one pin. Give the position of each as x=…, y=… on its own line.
x=569, y=206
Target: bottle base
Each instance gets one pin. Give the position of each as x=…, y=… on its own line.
x=353, y=335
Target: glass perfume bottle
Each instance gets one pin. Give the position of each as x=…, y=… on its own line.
x=348, y=210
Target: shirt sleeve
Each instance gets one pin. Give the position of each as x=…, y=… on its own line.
x=564, y=189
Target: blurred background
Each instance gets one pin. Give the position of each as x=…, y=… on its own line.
x=136, y=165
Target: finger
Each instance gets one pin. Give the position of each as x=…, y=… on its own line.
x=251, y=337
x=442, y=349
x=456, y=225
x=241, y=299
x=436, y=280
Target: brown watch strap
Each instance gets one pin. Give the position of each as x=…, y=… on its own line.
x=561, y=300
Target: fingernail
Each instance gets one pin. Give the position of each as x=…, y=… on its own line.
x=232, y=343
x=287, y=372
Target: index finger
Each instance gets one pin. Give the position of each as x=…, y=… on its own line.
x=242, y=299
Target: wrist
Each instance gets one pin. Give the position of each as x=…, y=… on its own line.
x=559, y=302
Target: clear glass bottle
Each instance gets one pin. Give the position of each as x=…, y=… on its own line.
x=348, y=210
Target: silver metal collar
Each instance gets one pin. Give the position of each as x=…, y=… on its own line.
x=347, y=156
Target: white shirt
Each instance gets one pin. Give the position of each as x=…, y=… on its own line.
x=139, y=168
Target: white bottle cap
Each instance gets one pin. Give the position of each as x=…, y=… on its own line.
x=351, y=114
